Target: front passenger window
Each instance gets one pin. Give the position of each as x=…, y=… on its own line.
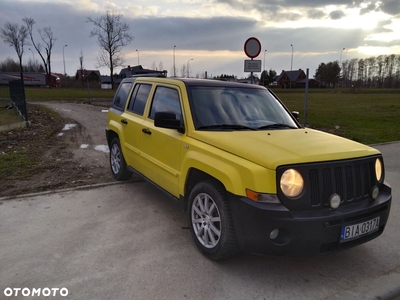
x=166, y=100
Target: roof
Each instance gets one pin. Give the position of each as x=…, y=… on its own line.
x=292, y=75
x=129, y=71
x=195, y=82
x=87, y=72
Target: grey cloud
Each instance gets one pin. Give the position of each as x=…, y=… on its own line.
x=371, y=7
x=315, y=14
x=391, y=7
x=336, y=15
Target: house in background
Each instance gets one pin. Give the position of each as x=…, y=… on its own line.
x=91, y=75
x=295, y=79
x=137, y=70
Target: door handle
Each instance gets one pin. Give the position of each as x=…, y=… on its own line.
x=146, y=131
x=123, y=121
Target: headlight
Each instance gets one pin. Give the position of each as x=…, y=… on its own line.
x=291, y=183
x=378, y=169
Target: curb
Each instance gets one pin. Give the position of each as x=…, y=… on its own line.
x=83, y=187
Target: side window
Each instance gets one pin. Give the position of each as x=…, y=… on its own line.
x=122, y=95
x=165, y=100
x=139, y=98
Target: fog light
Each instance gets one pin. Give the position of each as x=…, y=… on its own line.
x=335, y=201
x=274, y=234
x=375, y=192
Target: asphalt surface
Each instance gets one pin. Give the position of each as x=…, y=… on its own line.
x=129, y=241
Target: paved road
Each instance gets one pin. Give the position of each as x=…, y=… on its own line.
x=129, y=241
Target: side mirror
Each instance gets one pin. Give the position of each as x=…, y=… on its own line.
x=168, y=120
x=296, y=115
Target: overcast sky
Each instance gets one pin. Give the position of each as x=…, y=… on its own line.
x=213, y=32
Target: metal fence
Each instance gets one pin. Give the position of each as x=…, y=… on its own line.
x=17, y=96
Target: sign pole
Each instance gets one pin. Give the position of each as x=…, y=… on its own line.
x=251, y=75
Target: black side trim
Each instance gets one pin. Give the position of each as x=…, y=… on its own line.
x=153, y=184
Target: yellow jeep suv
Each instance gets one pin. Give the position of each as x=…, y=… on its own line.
x=248, y=175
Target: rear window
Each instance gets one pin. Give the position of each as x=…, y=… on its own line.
x=121, y=96
x=139, y=98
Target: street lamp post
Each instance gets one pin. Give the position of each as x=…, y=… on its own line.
x=187, y=67
x=265, y=51
x=174, y=60
x=137, y=57
x=65, y=74
x=340, y=61
x=291, y=61
x=291, y=66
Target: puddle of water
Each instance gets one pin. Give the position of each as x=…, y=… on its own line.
x=68, y=126
x=66, y=109
x=104, y=110
x=84, y=146
x=102, y=148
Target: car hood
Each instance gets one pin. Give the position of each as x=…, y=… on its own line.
x=274, y=148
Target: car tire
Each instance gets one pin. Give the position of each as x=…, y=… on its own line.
x=117, y=162
x=210, y=221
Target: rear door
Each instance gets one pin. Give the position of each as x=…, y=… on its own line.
x=133, y=117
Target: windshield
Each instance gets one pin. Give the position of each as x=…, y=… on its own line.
x=237, y=108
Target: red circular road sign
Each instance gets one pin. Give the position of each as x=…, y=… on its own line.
x=252, y=47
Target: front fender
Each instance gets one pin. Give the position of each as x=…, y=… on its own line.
x=235, y=173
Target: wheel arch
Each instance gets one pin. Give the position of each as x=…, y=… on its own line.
x=195, y=176
x=111, y=135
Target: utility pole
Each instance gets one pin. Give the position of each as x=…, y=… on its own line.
x=174, y=62
x=187, y=67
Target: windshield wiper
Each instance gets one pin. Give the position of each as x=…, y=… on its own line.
x=276, y=126
x=227, y=126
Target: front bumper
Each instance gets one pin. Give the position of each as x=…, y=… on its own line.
x=303, y=233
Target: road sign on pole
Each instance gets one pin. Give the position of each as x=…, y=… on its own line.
x=252, y=47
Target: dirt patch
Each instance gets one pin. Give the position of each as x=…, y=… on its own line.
x=56, y=152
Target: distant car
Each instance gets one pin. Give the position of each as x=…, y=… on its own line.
x=248, y=175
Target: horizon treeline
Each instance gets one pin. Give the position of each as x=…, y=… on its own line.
x=381, y=71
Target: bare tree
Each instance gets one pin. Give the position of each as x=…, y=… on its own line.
x=47, y=37
x=153, y=66
x=112, y=35
x=15, y=36
x=81, y=68
x=160, y=66
x=183, y=71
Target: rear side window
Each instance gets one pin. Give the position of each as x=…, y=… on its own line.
x=139, y=98
x=166, y=100
x=122, y=95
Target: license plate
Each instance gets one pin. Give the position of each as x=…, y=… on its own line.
x=356, y=231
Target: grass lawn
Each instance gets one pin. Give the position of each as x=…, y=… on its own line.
x=368, y=116
x=8, y=116
x=365, y=116
x=43, y=93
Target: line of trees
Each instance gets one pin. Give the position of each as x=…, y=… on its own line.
x=382, y=71
x=9, y=65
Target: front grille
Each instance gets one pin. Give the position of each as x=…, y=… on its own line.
x=352, y=182
x=351, y=179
